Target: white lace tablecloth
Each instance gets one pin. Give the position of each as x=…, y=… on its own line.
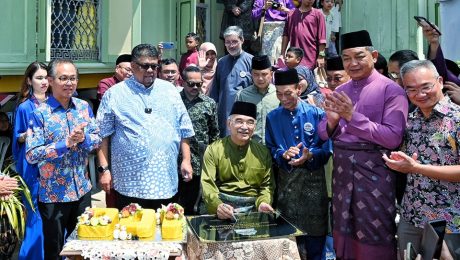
x=268, y=249
x=128, y=249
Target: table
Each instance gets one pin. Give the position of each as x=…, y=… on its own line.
x=280, y=248
x=250, y=236
x=128, y=249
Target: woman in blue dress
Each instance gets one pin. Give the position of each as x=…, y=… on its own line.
x=33, y=92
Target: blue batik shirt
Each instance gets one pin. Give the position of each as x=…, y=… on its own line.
x=63, y=174
x=145, y=126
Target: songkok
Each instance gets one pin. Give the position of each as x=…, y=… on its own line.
x=261, y=62
x=123, y=58
x=286, y=77
x=356, y=39
x=334, y=63
x=452, y=67
x=245, y=109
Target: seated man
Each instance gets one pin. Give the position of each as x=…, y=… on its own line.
x=237, y=170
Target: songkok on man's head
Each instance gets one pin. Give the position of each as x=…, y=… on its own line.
x=334, y=63
x=123, y=58
x=261, y=62
x=286, y=77
x=356, y=39
x=245, y=109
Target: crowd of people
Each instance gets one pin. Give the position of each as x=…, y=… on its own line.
x=252, y=131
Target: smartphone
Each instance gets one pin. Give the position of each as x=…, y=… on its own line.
x=168, y=45
x=410, y=252
x=424, y=22
x=433, y=236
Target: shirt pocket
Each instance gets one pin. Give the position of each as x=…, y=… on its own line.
x=255, y=176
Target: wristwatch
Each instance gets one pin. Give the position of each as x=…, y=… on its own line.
x=102, y=169
x=322, y=54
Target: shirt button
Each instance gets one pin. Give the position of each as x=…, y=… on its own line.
x=297, y=137
x=295, y=126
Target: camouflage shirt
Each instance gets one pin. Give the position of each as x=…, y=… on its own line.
x=203, y=113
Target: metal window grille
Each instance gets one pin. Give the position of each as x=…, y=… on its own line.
x=74, y=30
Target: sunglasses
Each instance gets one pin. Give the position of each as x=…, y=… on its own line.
x=194, y=84
x=148, y=66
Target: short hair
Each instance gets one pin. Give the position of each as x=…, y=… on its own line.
x=381, y=64
x=54, y=63
x=142, y=50
x=193, y=35
x=167, y=61
x=416, y=64
x=189, y=69
x=403, y=56
x=234, y=30
x=298, y=52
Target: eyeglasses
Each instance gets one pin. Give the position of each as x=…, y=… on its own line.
x=332, y=79
x=412, y=92
x=65, y=79
x=231, y=43
x=393, y=75
x=148, y=66
x=239, y=123
x=194, y=84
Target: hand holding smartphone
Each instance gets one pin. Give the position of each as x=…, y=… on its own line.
x=167, y=45
x=422, y=21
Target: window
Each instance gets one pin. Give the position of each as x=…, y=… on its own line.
x=74, y=30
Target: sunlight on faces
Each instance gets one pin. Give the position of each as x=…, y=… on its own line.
x=261, y=78
x=336, y=78
x=423, y=88
x=211, y=56
x=123, y=71
x=394, y=72
x=241, y=128
x=189, y=91
x=39, y=82
x=190, y=43
x=291, y=60
x=233, y=44
x=64, y=84
x=359, y=62
x=170, y=72
x=145, y=77
x=288, y=95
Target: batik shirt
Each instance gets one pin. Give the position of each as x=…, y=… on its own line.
x=145, y=126
x=203, y=113
x=63, y=175
x=436, y=141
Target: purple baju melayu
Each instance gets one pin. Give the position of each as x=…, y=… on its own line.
x=363, y=188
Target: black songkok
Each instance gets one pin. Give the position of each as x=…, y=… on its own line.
x=334, y=63
x=286, y=77
x=123, y=58
x=261, y=62
x=356, y=39
x=245, y=109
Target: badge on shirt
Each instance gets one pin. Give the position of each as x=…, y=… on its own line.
x=243, y=74
x=308, y=128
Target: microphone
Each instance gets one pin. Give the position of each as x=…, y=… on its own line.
x=148, y=110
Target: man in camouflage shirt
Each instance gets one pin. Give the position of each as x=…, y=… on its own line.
x=203, y=113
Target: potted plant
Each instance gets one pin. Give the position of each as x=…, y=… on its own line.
x=12, y=215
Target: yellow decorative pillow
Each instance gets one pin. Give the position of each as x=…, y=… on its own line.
x=97, y=224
